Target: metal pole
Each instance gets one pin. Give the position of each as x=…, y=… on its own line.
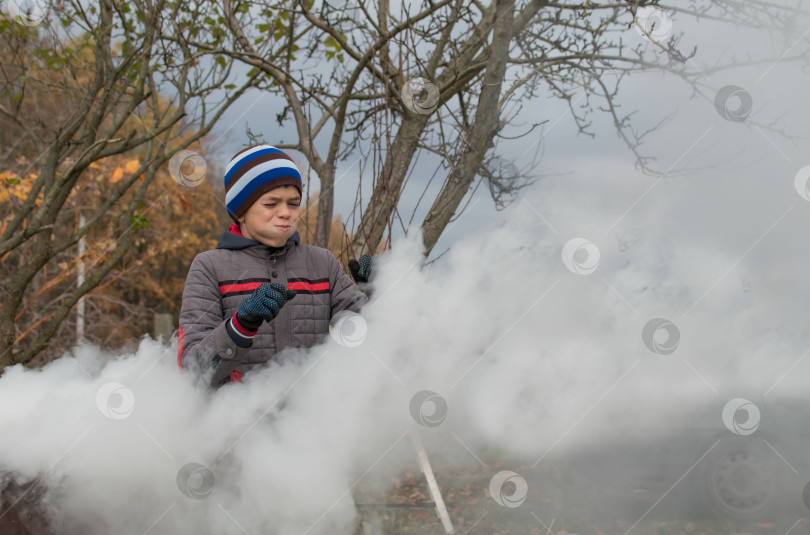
x=433, y=487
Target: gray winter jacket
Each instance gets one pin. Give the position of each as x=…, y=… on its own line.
x=220, y=279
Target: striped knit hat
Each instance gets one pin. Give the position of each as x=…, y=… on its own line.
x=253, y=172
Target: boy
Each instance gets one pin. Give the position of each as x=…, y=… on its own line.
x=238, y=309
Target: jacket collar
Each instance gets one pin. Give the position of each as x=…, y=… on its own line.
x=233, y=239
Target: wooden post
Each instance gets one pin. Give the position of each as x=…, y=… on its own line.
x=163, y=326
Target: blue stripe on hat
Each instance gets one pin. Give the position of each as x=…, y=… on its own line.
x=267, y=176
x=243, y=159
x=237, y=185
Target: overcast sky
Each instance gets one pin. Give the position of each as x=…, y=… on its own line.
x=748, y=170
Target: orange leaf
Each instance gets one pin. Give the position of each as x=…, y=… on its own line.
x=117, y=175
x=131, y=166
x=186, y=205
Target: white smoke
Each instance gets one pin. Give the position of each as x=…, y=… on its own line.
x=528, y=357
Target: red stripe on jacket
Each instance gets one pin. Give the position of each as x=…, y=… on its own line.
x=243, y=287
x=294, y=285
x=180, y=350
x=307, y=286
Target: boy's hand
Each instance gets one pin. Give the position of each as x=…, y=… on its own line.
x=263, y=304
x=362, y=271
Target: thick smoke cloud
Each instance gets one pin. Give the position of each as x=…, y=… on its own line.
x=530, y=348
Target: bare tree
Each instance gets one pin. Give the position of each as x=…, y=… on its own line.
x=83, y=83
x=443, y=79
x=565, y=49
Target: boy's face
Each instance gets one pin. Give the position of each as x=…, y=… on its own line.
x=273, y=218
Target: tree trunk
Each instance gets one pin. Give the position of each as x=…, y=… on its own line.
x=484, y=128
x=16, y=288
x=386, y=193
x=326, y=203
x=454, y=78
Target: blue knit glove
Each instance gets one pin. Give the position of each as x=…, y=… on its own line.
x=263, y=304
x=362, y=271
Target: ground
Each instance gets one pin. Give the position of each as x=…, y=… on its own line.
x=560, y=501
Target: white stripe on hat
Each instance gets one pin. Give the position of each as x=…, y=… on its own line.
x=245, y=179
x=245, y=154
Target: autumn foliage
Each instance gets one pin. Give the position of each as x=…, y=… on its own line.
x=173, y=223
